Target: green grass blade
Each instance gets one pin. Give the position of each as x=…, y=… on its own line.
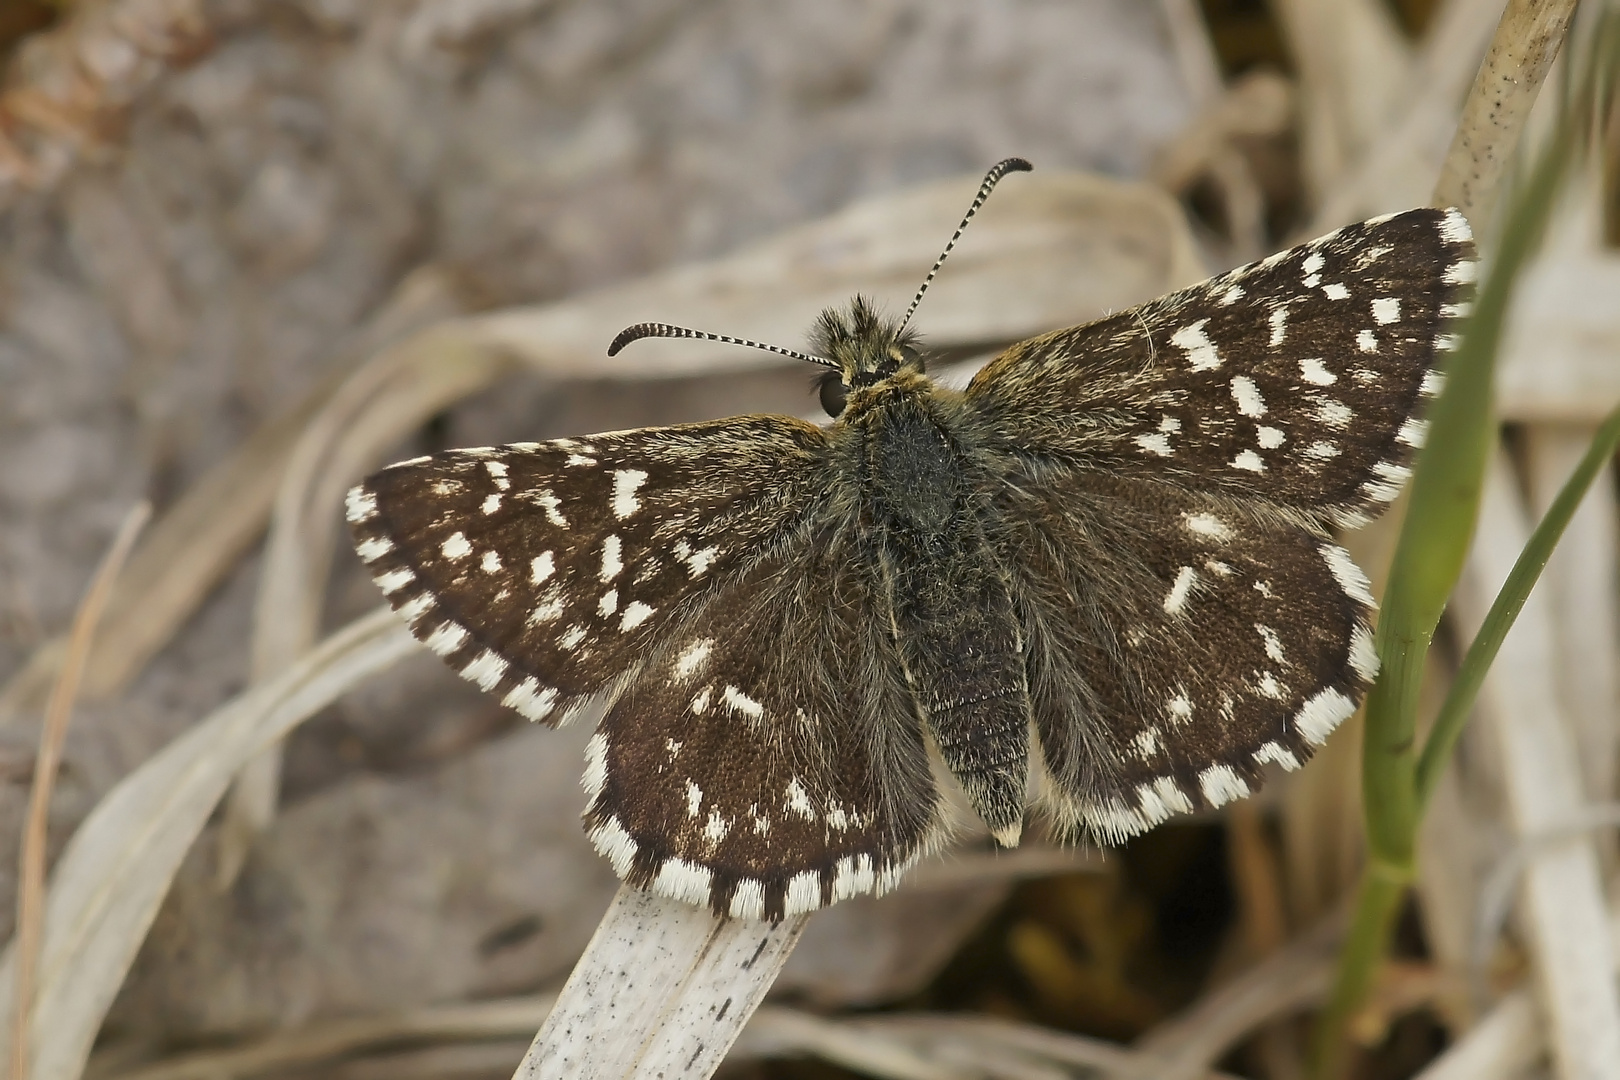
x=1440, y=522
x=1507, y=605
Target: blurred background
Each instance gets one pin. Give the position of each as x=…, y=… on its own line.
x=225, y=225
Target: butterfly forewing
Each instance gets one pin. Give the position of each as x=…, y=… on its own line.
x=543, y=571
x=1297, y=380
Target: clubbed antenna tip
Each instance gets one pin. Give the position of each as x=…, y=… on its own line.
x=991, y=179
x=665, y=330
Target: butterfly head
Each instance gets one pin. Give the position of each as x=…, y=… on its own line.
x=866, y=348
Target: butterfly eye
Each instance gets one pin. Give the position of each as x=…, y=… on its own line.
x=834, y=394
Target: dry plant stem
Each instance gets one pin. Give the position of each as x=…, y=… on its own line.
x=1563, y=917
x=323, y=1043
x=116, y=869
x=1292, y=979
x=662, y=991
x=1526, y=41
x=1508, y=1041
x=31, y=875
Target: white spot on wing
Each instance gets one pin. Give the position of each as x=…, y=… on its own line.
x=1367, y=341
x=552, y=506
x=1318, y=717
x=1389, y=479
x=1176, y=598
x=416, y=608
x=803, y=893
x=798, y=800
x=625, y=483
x=1231, y=296
x=1433, y=383
x=1269, y=438
x=1146, y=743
x=611, y=563
x=1220, y=785
x=570, y=639
x=374, y=547
x=1201, y=352
x=1154, y=444
x=1207, y=525
x=594, y=779
x=716, y=828
x=1335, y=414
x=1272, y=642
x=681, y=880
x=854, y=877
x=1413, y=433
x=359, y=505
x=497, y=473
x=1322, y=451
x=1454, y=228
x=492, y=502
x=1179, y=707
x=486, y=669
x=456, y=547
x=491, y=562
x=613, y=843
x=693, y=658
x=1247, y=396
x=1333, y=290
x=635, y=613
x=1279, y=324
x=1347, y=573
x=1461, y=273
x=1313, y=371
x=1161, y=798
x=741, y=704
x=694, y=799
x=395, y=580
x=1363, y=654
x=1386, y=309
x=1268, y=686
x=541, y=567
x=608, y=604
x=748, y=902
x=1248, y=461
x=1275, y=751
x=446, y=639
x=531, y=700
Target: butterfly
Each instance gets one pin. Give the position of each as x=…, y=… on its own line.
x=1100, y=581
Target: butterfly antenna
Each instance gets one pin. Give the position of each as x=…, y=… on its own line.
x=658, y=329
x=991, y=178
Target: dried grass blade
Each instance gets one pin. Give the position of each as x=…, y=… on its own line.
x=117, y=868
x=1527, y=39
x=663, y=990
x=58, y=711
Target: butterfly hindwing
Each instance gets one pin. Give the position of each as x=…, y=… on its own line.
x=542, y=571
x=1296, y=379
x=769, y=761
x=1179, y=643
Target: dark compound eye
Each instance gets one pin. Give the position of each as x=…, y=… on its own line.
x=834, y=394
